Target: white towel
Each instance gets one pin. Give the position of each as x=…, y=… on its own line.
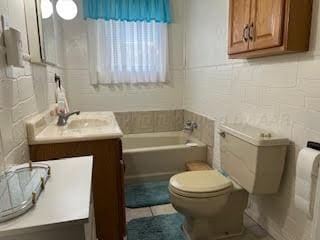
x=306, y=177
x=61, y=99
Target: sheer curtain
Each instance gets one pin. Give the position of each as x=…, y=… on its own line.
x=127, y=52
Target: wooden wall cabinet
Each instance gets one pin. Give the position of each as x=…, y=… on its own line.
x=260, y=28
x=108, y=180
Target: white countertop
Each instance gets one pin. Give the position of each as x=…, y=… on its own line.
x=65, y=200
x=43, y=129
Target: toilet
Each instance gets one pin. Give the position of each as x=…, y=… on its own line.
x=212, y=201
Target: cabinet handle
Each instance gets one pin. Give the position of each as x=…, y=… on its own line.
x=245, y=33
x=251, y=32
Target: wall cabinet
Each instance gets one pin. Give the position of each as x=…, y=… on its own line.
x=108, y=180
x=260, y=28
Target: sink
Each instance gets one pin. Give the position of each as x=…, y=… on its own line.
x=88, y=126
x=87, y=123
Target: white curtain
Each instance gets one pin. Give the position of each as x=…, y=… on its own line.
x=127, y=52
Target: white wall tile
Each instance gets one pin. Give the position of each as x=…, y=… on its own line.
x=286, y=68
x=6, y=131
x=24, y=109
x=313, y=104
x=315, y=30
x=25, y=88
x=309, y=68
x=16, y=19
x=283, y=96
x=310, y=87
x=18, y=155
x=208, y=50
x=9, y=93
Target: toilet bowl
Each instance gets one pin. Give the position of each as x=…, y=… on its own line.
x=205, y=198
x=199, y=193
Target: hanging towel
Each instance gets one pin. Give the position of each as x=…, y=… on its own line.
x=306, y=178
x=61, y=99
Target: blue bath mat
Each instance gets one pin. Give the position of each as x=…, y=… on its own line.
x=163, y=227
x=147, y=194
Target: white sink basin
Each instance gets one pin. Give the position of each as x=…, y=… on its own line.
x=88, y=126
x=87, y=123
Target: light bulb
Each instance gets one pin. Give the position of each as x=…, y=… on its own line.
x=46, y=9
x=67, y=9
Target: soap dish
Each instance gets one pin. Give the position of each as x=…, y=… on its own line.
x=20, y=189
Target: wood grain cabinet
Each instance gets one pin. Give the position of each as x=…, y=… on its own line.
x=260, y=28
x=108, y=180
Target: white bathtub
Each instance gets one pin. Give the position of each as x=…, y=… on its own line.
x=157, y=156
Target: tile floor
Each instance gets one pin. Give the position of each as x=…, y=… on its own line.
x=253, y=230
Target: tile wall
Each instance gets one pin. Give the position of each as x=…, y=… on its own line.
x=150, y=121
x=23, y=91
x=204, y=132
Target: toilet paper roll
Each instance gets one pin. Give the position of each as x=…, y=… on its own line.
x=308, y=163
x=306, y=177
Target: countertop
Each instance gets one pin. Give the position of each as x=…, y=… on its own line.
x=65, y=199
x=43, y=129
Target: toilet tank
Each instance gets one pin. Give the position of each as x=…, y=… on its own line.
x=253, y=157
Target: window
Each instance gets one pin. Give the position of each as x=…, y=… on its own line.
x=128, y=52
x=128, y=40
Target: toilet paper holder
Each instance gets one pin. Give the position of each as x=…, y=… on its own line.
x=313, y=145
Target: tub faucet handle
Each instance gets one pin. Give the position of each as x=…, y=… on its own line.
x=222, y=134
x=190, y=126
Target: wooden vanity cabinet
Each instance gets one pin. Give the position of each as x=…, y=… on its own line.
x=260, y=28
x=108, y=180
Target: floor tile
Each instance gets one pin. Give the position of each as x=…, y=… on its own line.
x=137, y=213
x=253, y=230
x=162, y=209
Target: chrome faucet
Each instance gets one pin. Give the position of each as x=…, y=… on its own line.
x=190, y=126
x=63, y=117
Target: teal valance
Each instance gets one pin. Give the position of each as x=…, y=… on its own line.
x=128, y=10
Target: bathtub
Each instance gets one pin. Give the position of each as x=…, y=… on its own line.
x=158, y=156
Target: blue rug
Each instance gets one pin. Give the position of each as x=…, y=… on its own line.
x=163, y=227
x=147, y=194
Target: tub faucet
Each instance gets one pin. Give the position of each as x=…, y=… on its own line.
x=63, y=117
x=189, y=126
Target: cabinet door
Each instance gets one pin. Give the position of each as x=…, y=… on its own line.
x=239, y=19
x=266, y=28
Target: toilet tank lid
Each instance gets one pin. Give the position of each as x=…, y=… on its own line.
x=254, y=135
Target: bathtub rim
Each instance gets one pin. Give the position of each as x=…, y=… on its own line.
x=164, y=147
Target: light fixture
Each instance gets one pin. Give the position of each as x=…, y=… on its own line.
x=67, y=9
x=46, y=9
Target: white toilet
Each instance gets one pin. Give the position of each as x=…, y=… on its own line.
x=213, y=204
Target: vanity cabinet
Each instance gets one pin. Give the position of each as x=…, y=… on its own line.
x=108, y=180
x=260, y=28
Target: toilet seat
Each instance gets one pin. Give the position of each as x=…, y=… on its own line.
x=200, y=184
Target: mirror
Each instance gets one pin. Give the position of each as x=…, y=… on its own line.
x=46, y=45
x=49, y=35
